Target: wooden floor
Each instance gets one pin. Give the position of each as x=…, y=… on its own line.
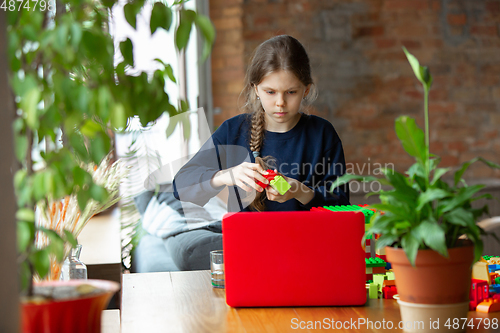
x=186, y=302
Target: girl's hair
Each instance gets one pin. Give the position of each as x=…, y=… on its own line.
x=278, y=53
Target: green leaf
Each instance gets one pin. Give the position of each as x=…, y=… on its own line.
x=83, y=196
x=207, y=30
x=417, y=169
x=24, y=235
x=20, y=179
x=90, y=128
x=56, y=245
x=25, y=275
x=126, y=48
x=109, y=3
x=118, y=117
x=414, y=64
x=431, y=195
x=80, y=176
x=26, y=215
x=433, y=236
x=77, y=143
x=29, y=104
x=161, y=17
x=130, y=14
x=184, y=29
x=410, y=245
x=460, y=172
x=70, y=238
x=76, y=34
x=411, y=137
x=461, y=217
x=398, y=211
x=385, y=240
x=438, y=173
x=346, y=178
x=41, y=262
x=422, y=73
x=170, y=73
x=464, y=194
x=100, y=146
x=186, y=127
x=404, y=190
x=98, y=193
x=172, y=124
x=20, y=146
x=39, y=192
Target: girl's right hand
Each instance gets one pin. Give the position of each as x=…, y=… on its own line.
x=243, y=175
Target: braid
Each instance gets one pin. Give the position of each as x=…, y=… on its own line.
x=257, y=130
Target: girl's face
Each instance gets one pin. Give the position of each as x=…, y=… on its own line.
x=281, y=94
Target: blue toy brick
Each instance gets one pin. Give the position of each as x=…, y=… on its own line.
x=495, y=288
x=493, y=268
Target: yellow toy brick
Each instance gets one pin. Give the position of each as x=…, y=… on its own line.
x=480, y=271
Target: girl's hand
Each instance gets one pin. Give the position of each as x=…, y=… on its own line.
x=244, y=176
x=297, y=191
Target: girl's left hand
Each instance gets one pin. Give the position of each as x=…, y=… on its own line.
x=295, y=191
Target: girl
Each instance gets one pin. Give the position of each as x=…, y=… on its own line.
x=305, y=149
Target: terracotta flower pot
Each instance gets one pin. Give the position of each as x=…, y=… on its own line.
x=76, y=315
x=434, y=279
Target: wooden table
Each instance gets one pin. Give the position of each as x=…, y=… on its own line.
x=101, y=250
x=186, y=302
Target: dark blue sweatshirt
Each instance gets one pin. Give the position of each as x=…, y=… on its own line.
x=311, y=152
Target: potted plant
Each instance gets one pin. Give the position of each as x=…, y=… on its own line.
x=69, y=97
x=428, y=226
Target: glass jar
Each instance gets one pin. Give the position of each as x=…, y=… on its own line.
x=73, y=268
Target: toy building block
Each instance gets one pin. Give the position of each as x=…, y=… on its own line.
x=270, y=176
x=480, y=271
x=389, y=283
x=373, y=291
x=489, y=305
x=479, y=291
x=377, y=264
x=495, y=288
x=352, y=208
x=374, y=262
x=379, y=280
x=276, y=181
x=493, y=268
x=390, y=275
x=492, y=260
x=389, y=292
x=497, y=280
x=280, y=184
x=319, y=209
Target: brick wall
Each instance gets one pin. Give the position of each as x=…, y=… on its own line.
x=363, y=77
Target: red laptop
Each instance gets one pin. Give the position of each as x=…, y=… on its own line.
x=294, y=259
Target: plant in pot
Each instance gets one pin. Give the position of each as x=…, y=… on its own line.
x=69, y=97
x=428, y=226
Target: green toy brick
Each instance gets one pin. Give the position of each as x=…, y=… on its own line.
x=375, y=262
x=373, y=291
x=379, y=280
x=280, y=184
x=352, y=208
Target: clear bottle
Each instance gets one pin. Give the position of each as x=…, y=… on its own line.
x=73, y=268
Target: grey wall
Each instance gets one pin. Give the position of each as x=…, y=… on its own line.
x=9, y=309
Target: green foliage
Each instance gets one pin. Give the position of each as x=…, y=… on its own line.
x=69, y=97
x=421, y=210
